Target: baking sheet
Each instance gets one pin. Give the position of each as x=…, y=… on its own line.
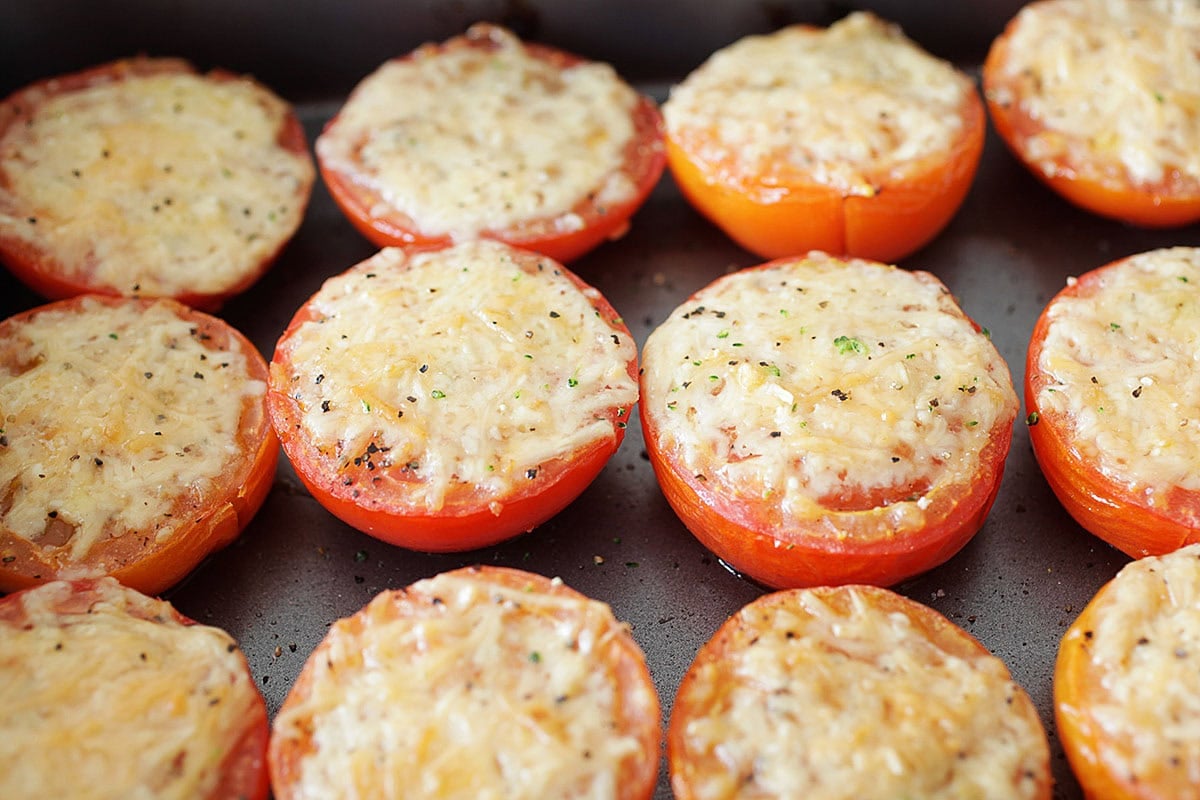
x=1016, y=586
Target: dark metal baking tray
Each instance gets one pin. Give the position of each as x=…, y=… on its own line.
x=296, y=569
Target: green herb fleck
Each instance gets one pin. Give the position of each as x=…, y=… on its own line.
x=535, y=657
x=847, y=345
x=112, y=336
x=723, y=335
x=572, y=382
x=437, y=394
x=1033, y=418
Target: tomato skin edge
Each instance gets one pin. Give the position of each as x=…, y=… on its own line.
x=902, y=216
x=471, y=529
x=1140, y=206
x=801, y=556
x=1102, y=506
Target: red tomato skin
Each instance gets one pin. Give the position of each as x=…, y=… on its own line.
x=1163, y=206
x=157, y=569
x=467, y=522
x=645, y=161
x=804, y=555
x=44, y=274
x=1101, y=505
x=904, y=214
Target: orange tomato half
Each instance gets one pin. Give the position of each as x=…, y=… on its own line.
x=1085, y=168
x=793, y=210
x=1125, y=679
x=855, y=692
x=1112, y=494
x=787, y=343
x=200, y=518
x=383, y=490
x=75, y=647
x=488, y=682
x=56, y=273
x=563, y=237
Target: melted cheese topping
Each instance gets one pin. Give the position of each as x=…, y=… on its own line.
x=117, y=700
x=111, y=415
x=463, y=367
x=1116, y=83
x=847, y=106
x=831, y=701
x=465, y=138
x=1144, y=650
x=800, y=383
x=1123, y=366
x=460, y=689
x=154, y=185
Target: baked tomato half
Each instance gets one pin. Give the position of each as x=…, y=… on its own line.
x=820, y=420
x=142, y=177
x=488, y=136
x=1098, y=99
x=110, y=694
x=1126, y=683
x=850, y=139
x=135, y=441
x=852, y=692
x=1109, y=370
x=446, y=400
x=481, y=682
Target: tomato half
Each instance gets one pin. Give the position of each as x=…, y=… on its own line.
x=1088, y=96
x=1125, y=683
x=851, y=691
x=140, y=699
x=451, y=399
x=594, y=215
x=136, y=441
x=891, y=204
x=484, y=681
x=1105, y=419
x=790, y=413
x=142, y=193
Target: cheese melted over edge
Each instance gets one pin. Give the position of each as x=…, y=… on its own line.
x=1115, y=82
x=457, y=367
x=111, y=415
x=469, y=691
x=1143, y=652
x=466, y=139
x=155, y=185
x=105, y=704
x=847, y=106
x=792, y=385
x=833, y=703
x=1123, y=366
